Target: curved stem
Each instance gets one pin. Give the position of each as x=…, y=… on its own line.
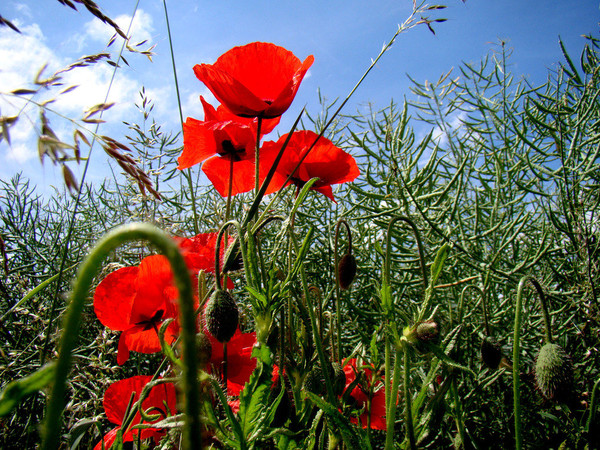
x=517, y=348
x=72, y=320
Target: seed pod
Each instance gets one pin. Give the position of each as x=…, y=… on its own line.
x=554, y=373
x=491, y=352
x=346, y=270
x=221, y=315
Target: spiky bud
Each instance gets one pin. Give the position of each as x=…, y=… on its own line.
x=221, y=315
x=427, y=331
x=346, y=270
x=491, y=352
x=339, y=378
x=554, y=373
x=203, y=350
x=315, y=379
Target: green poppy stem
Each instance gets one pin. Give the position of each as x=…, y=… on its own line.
x=85, y=277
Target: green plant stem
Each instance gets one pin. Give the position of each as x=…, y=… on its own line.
x=392, y=403
x=458, y=415
x=516, y=372
x=72, y=320
x=257, y=157
x=313, y=321
x=408, y=400
x=338, y=314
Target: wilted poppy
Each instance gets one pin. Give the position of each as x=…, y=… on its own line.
x=330, y=164
x=240, y=363
x=116, y=399
x=136, y=300
x=257, y=79
x=360, y=394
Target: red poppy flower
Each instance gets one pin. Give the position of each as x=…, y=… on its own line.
x=136, y=300
x=116, y=399
x=240, y=363
x=257, y=79
x=226, y=143
x=325, y=161
x=361, y=397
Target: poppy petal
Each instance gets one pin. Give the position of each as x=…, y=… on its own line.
x=218, y=169
x=287, y=94
x=114, y=298
x=233, y=94
x=198, y=143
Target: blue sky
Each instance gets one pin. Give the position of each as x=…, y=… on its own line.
x=343, y=36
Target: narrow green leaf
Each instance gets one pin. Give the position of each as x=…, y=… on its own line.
x=438, y=263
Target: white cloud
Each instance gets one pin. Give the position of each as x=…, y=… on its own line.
x=21, y=58
x=141, y=28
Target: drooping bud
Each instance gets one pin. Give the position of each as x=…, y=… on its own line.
x=554, y=373
x=346, y=270
x=491, y=352
x=221, y=315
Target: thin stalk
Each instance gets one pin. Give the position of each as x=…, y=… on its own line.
x=408, y=400
x=390, y=415
x=338, y=314
x=72, y=320
x=257, y=157
x=187, y=173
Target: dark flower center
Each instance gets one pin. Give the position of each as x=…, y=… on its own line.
x=229, y=150
x=151, y=323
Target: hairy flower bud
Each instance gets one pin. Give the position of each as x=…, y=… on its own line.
x=554, y=373
x=491, y=352
x=221, y=315
x=346, y=270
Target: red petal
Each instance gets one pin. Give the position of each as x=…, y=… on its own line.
x=114, y=297
x=198, y=143
x=287, y=94
x=217, y=170
x=155, y=290
x=234, y=95
x=108, y=439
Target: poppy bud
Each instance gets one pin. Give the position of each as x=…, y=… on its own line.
x=346, y=270
x=427, y=331
x=315, y=379
x=203, y=350
x=339, y=378
x=221, y=315
x=491, y=352
x=554, y=373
